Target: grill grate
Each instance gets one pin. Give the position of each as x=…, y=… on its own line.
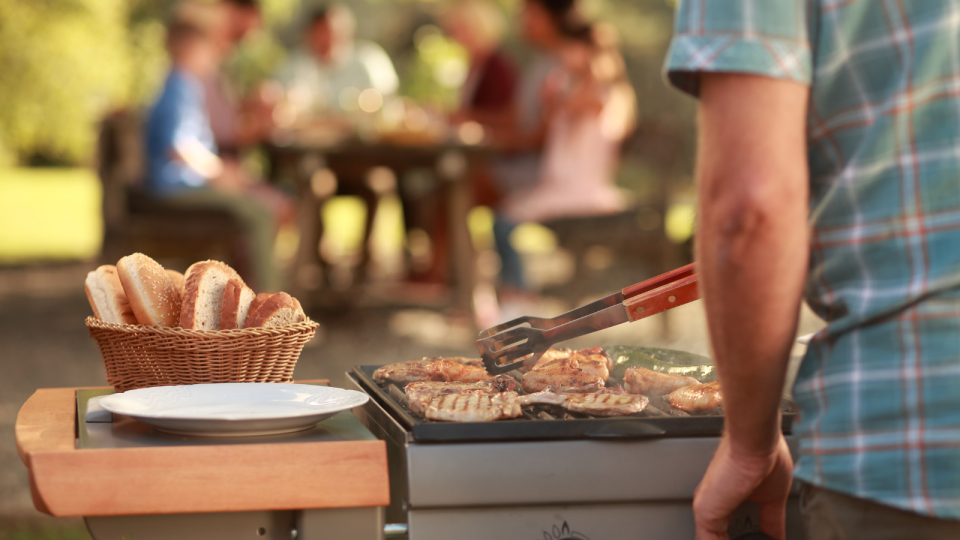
x=547, y=422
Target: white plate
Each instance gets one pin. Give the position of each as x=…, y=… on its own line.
x=232, y=409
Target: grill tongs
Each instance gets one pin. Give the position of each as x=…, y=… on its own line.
x=524, y=340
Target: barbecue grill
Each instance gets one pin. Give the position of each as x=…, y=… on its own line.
x=549, y=475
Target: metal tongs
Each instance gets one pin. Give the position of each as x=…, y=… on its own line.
x=524, y=340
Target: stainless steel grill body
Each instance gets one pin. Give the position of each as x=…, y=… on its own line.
x=525, y=490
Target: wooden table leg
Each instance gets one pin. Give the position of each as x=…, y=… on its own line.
x=453, y=168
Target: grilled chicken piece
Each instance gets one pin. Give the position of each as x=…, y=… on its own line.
x=698, y=397
x=433, y=369
x=594, y=361
x=459, y=370
x=420, y=394
x=640, y=380
x=474, y=407
x=559, y=373
x=598, y=404
x=404, y=372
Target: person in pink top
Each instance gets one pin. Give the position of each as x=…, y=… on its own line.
x=589, y=109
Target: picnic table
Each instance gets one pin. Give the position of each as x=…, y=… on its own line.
x=351, y=162
x=131, y=482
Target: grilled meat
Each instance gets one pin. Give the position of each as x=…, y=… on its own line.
x=433, y=369
x=419, y=394
x=473, y=407
x=596, y=404
x=458, y=369
x=698, y=397
x=562, y=372
x=404, y=372
x=594, y=361
x=640, y=380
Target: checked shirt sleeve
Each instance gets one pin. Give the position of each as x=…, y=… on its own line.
x=760, y=37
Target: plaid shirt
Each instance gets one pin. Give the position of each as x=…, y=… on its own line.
x=879, y=388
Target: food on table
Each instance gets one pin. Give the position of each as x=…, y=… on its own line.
x=640, y=380
x=419, y=394
x=177, y=279
x=697, y=397
x=441, y=368
x=152, y=295
x=594, y=404
x=474, y=407
x=562, y=372
x=279, y=309
x=210, y=296
x=237, y=298
x=203, y=286
x=106, y=296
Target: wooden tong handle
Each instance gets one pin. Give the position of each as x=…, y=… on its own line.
x=661, y=293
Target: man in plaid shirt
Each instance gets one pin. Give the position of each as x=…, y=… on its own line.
x=829, y=167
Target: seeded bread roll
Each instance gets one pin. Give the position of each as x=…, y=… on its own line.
x=203, y=286
x=237, y=298
x=278, y=310
x=177, y=279
x=152, y=295
x=106, y=296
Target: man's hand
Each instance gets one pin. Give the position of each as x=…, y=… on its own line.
x=734, y=477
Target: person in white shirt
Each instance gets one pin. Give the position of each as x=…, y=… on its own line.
x=334, y=67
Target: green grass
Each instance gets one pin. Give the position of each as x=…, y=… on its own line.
x=75, y=532
x=49, y=214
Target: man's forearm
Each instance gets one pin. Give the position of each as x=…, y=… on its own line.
x=752, y=242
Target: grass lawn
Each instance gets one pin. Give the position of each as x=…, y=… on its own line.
x=49, y=214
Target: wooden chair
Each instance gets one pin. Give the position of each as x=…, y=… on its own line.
x=134, y=221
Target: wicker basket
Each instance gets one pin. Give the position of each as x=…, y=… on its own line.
x=138, y=356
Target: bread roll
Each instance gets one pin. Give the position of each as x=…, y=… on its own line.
x=106, y=296
x=151, y=293
x=237, y=298
x=278, y=310
x=203, y=287
x=177, y=279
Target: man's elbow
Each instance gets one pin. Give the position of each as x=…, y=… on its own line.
x=752, y=211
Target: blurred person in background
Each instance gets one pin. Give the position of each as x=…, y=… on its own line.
x=184, y=168
x=236, y=123
x=334, y=67
x=589, y=107
x=488, y=92
x=521, y=137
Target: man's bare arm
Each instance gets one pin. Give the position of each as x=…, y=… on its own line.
x=752, y=240
x=752, y=245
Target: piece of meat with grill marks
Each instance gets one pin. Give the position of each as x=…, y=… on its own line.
x=547, y=357
x=697, y=397
x=404, y=372
x=640, y=380
x=420, y=393
x=564, y=372
x=597, y=404
x=593, y=362
x=433, y=369
x=458, y=369
x=474, y=407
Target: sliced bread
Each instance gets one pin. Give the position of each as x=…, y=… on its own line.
x=106, y=296
x=279, y=309
x=203, y=287
x=177, y=279
x=237, y=298
x=152, y=295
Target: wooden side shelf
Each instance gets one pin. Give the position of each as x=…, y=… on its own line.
x=66, y=481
